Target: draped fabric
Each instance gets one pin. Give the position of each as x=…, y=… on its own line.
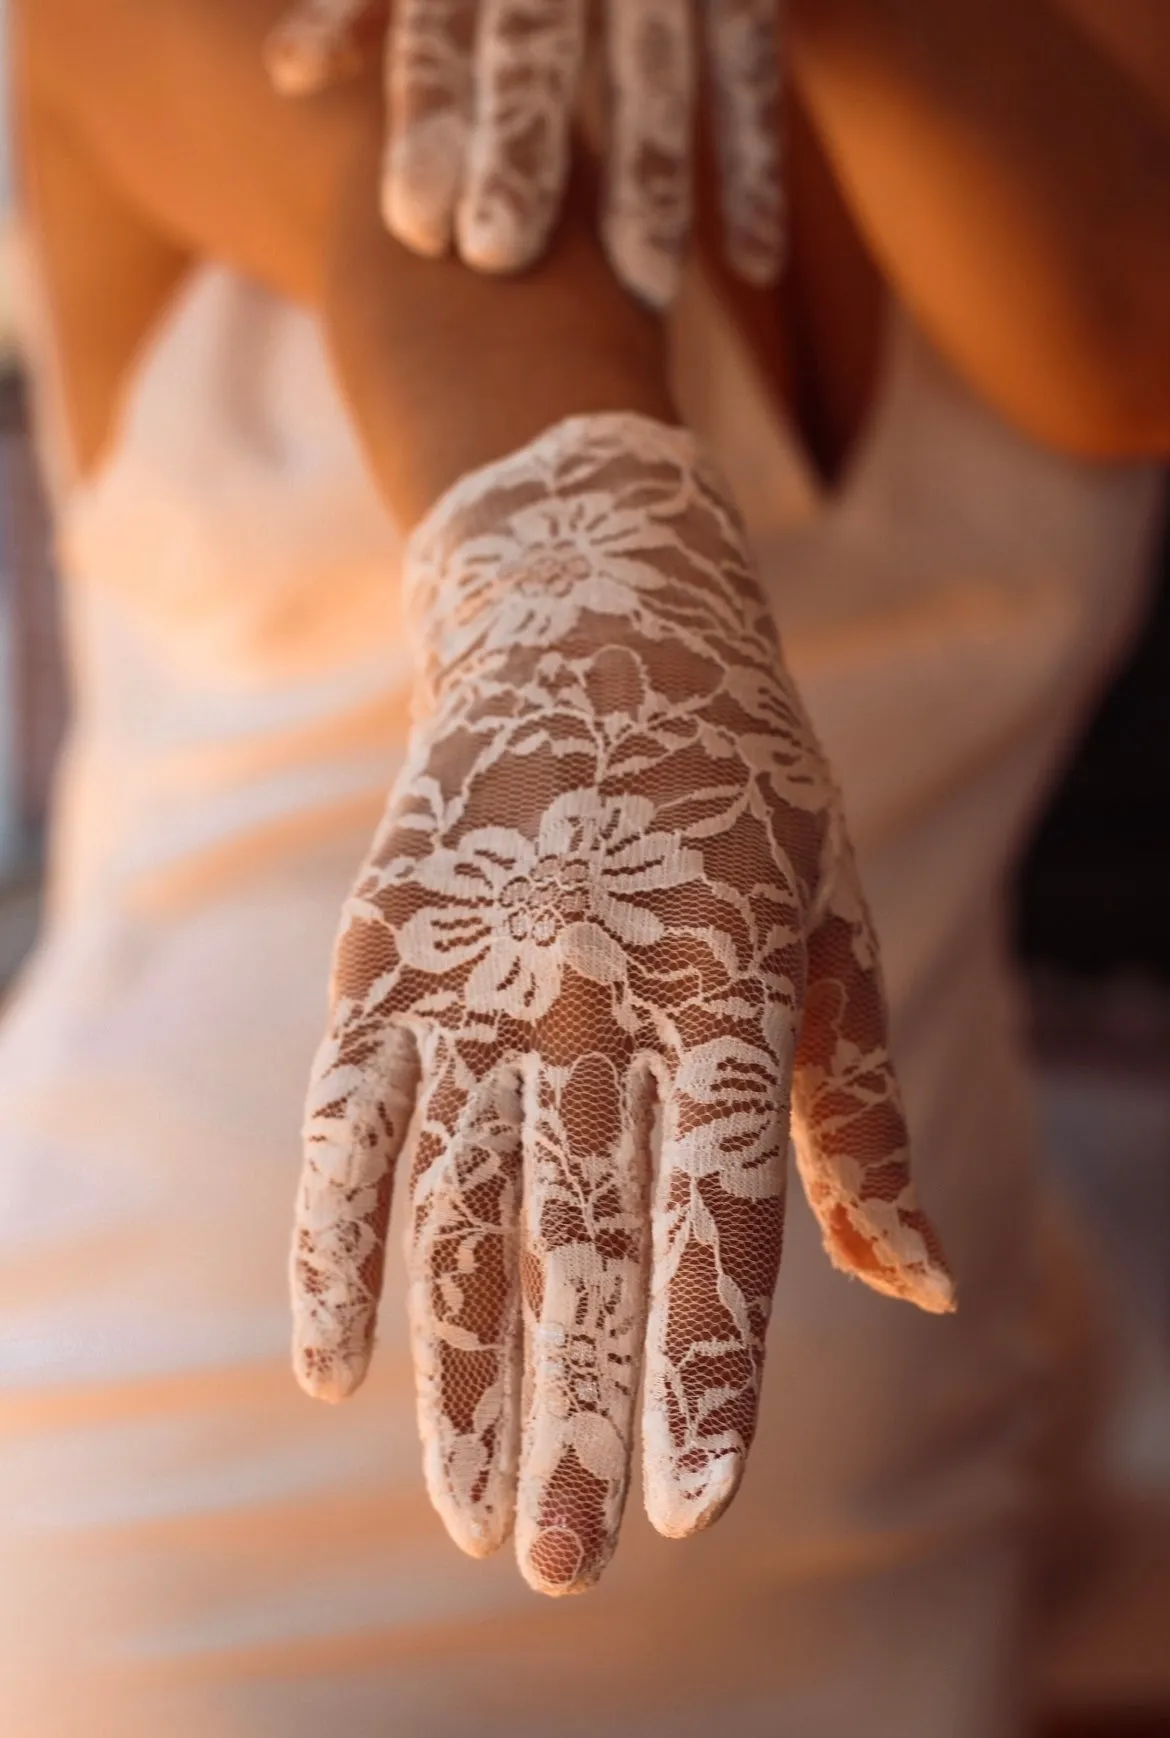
x=189, y=1544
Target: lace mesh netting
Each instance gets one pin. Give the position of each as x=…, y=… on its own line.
x=609, y=922
x=481, y=96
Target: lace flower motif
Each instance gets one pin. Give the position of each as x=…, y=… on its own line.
x=518, y=911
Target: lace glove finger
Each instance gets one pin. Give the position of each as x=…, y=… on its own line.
x=584, y=1274
x=361, y=1098
x=429, y=100
x=743, y=45
x=718, y=1215
x=527, y=62
x=718, y=1226
x=463, y=1277
x=849, y=1129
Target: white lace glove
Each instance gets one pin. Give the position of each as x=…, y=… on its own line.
x=480, y=96
x=612, y=890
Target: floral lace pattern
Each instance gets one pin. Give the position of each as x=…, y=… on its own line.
x=608, y=929
x=481, y=97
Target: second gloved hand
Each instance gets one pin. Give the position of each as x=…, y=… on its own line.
x=480, y=97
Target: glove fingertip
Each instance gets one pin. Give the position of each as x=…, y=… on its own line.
x=479, y=1533
x=648, y=270
x=759, y=265
x=475, y=1540
x=919, y=1276
x=929, y=1288
x=492, y=237
x=422, y=169
x=934, y=1291
x=416, y=223
x=330, y=1376
x=553, y=1561
x=679, y=1514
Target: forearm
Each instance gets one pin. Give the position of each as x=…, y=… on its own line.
x=164, y=104
x=446, y=369
x=1015, y=184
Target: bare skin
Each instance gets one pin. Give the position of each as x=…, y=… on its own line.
x=1005, y=168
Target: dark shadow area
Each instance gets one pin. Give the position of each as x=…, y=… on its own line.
x=1095, y=893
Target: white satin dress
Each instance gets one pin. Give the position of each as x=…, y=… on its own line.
x=189, y=1548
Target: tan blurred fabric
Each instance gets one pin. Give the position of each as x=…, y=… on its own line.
x=189, y=1545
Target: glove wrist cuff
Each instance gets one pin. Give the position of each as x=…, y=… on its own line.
x=612, y=517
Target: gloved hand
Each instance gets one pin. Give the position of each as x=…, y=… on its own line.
x=480, y=96
x=609, y=926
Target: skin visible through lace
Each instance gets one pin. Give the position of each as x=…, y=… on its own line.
x=480, y=102
x=608, y=928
